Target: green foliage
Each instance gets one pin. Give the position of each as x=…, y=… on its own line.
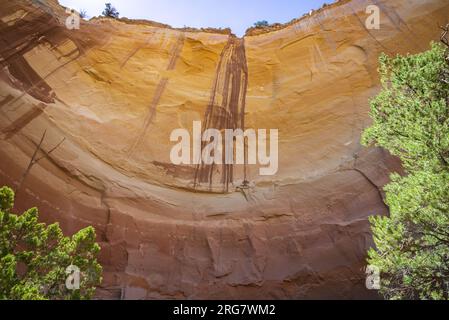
x=110, y=11
x=34, y=256
x=410, y=114
x=411, y=120
x=83, y=14
x=261, y=24
x=413, y=243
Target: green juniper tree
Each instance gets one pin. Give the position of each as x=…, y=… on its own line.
x=110, y=11
x=261, y=24
x=83, y=14
x=411, y=120
x=34, y=257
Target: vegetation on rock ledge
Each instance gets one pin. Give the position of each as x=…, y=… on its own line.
x=110, y=11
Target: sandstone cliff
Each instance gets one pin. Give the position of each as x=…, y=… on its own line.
x=116, y=89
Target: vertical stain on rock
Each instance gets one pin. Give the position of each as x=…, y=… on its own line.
x=6, y=100
x=174, y=56
x=226, y=110
x=16, y=40
x=135, y=50
x=23, y=120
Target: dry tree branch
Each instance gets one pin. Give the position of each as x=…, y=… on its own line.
x=49, y=152
x=443, y=37
x=32, y=161
x=35, y=159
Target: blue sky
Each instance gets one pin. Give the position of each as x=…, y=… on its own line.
x=236, y=14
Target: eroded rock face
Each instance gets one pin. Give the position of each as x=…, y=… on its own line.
x=115, y=90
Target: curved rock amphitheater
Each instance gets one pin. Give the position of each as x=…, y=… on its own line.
x=114, y=90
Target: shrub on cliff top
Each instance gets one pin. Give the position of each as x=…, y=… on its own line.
x=83, y=14
x=261, y=24
x=110, y=11
x=34, y=257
